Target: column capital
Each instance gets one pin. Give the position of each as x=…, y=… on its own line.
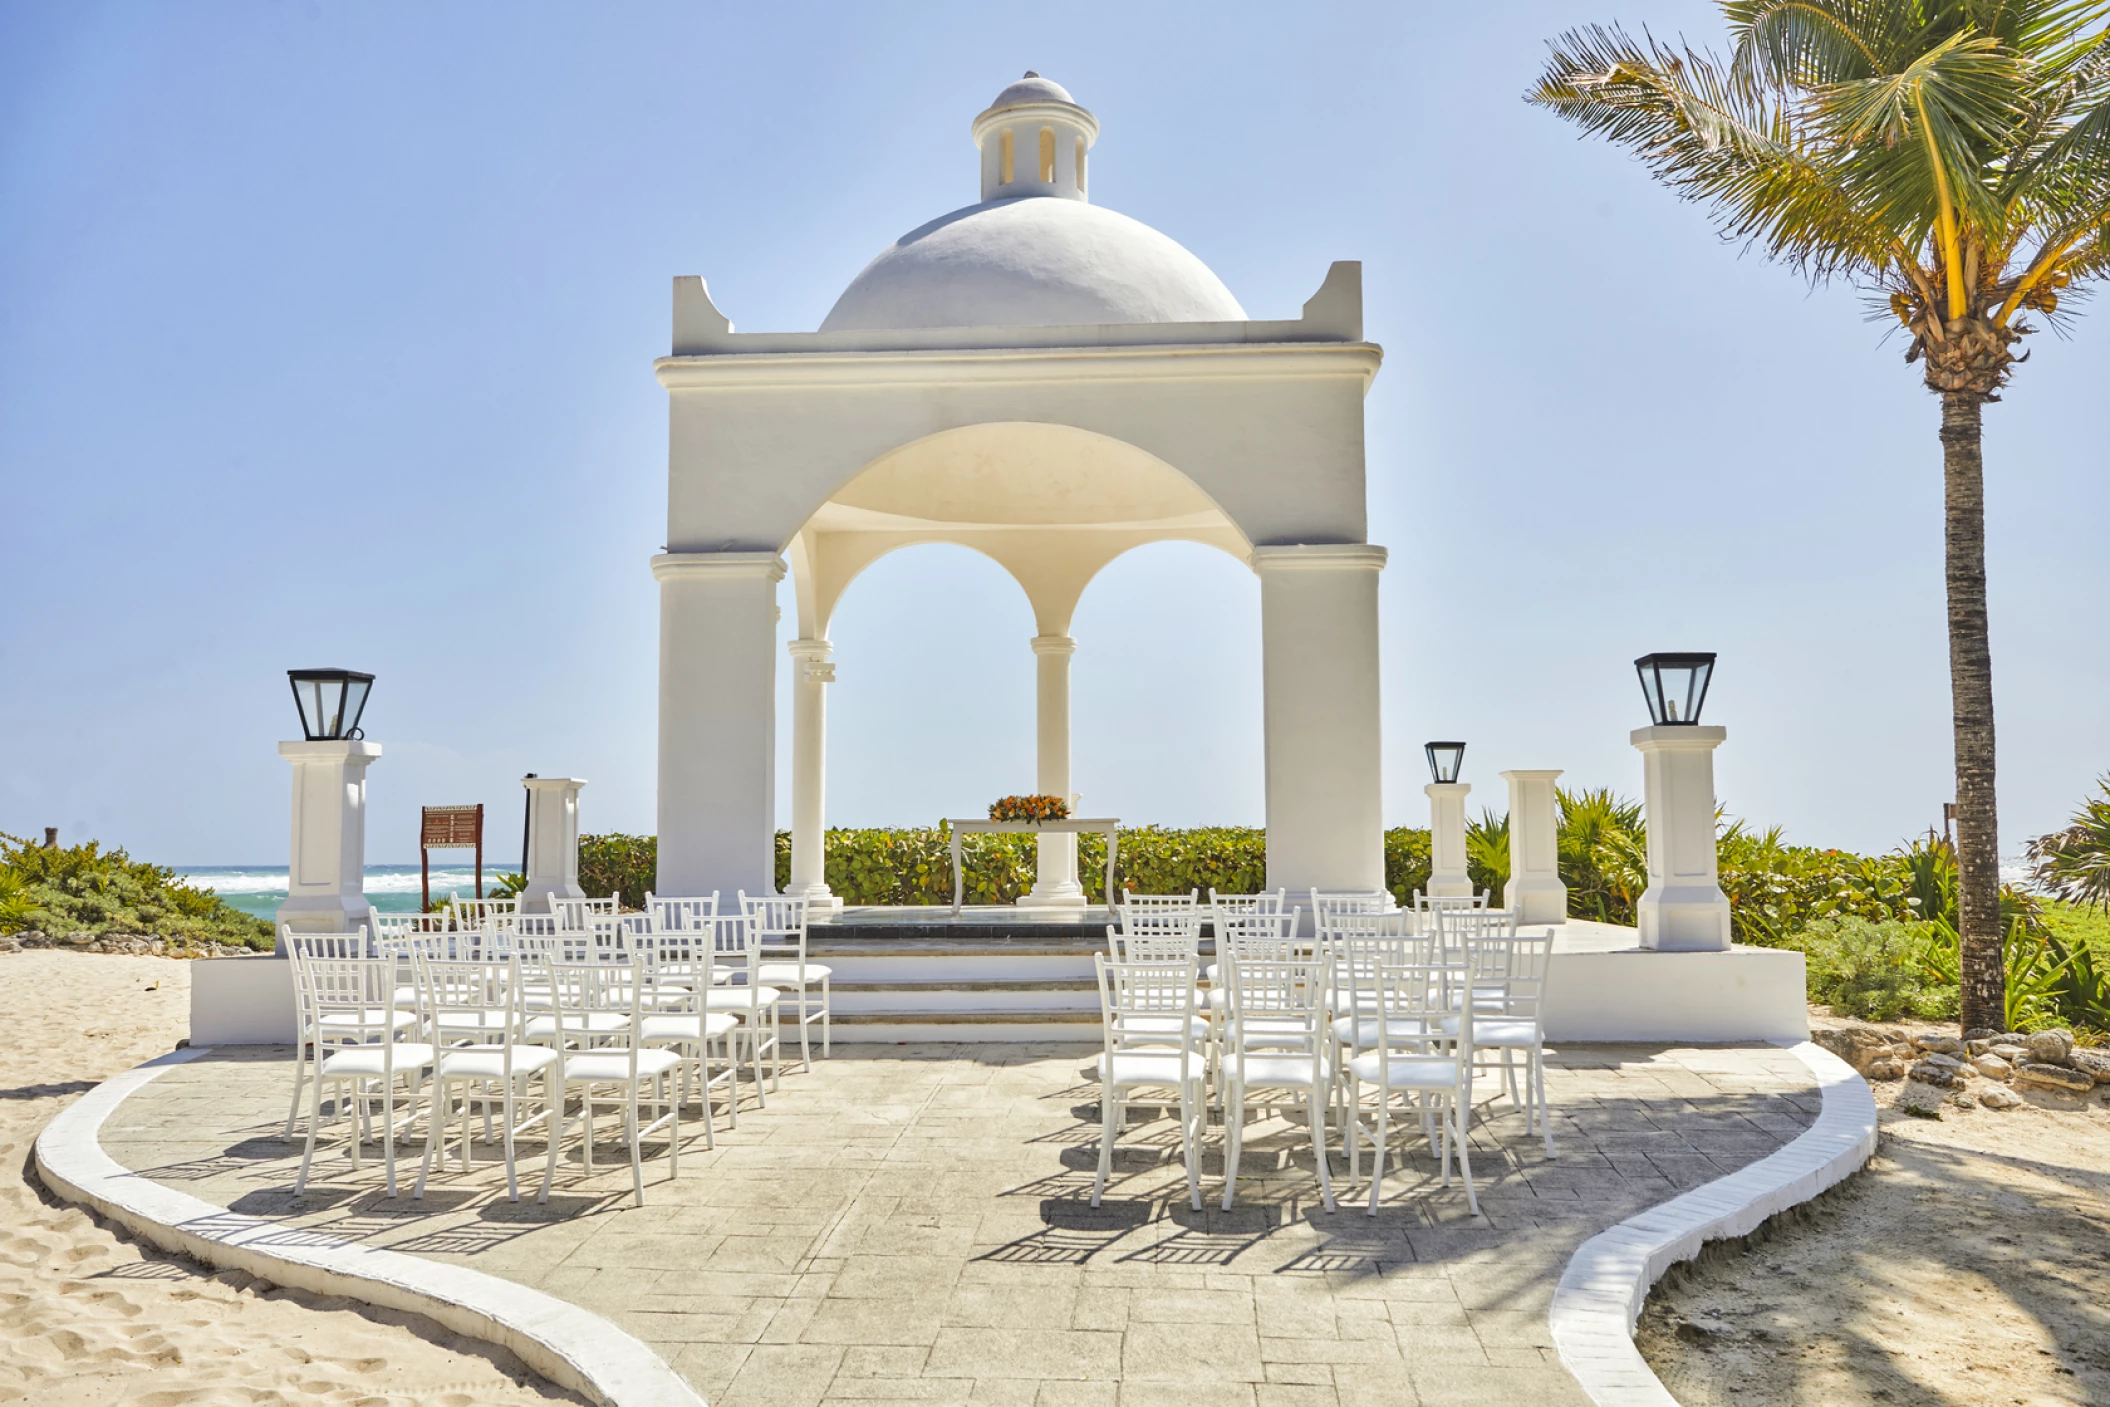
x=764, y=566
x=330, y=750
x=1318, y=557
x=1679, y=737
x=807, y=649
x=1432, y=790
x=553, y=783
x=1054, y=645
x=1542, y=774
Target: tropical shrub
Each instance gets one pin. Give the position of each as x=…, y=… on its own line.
x=68, y=889
x=1877, y=970
x=613, y=864
x=2074, y=864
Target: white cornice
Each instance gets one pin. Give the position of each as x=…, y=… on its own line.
x=1318, y=557
x=1016, y=365
x=670, y=566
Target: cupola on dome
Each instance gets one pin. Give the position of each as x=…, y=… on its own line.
x=1035, y=252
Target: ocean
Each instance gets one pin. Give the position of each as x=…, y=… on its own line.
x=391, y=889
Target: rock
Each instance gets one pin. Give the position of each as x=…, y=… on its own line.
x=1999, y=1097
x=1856, y=1045
x=1927, y=1072
x=1922, y=1099
x=2013, y=1052
x=2050, y=1047
x=1963, y=1101
x=1885, y=1067
x=2091, y=1062
x=2039, y=1075
x=1993, y=1067
x=1979, y=1033
x=1940, y=1045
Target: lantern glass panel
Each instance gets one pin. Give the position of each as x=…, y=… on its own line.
x=1445, y=760
x=330, y=701
x=1675, y=685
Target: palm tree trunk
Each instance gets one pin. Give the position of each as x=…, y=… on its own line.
x=1971, y=700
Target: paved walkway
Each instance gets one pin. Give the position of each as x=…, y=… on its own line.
x=912, y=1224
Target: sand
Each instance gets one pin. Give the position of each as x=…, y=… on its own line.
x=1968, y=1264
x=88, y=1317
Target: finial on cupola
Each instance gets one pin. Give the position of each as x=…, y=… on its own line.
x=1033, y=139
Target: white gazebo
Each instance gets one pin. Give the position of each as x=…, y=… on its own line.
x=1051, y=384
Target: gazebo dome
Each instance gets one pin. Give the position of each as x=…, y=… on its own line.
x=1035, y=252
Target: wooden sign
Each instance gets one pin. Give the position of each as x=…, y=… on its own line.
x=450, y=828
x=453, y=827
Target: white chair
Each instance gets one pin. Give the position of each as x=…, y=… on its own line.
x=355, y=1027
x=680, y=915
x=1142, y=998
x=678, y=968
x=743, y=993
x=1261, y=937
x=1276, y=1038
x=1427, y=906
x=479, y=1002
x=575, y=913
x=583, y=996
x=474, y=913
x=299, y=947
x=1508, y=974
x=779, y=926
x=1416, y=1058
x=1325, y=905
x=1261, y=903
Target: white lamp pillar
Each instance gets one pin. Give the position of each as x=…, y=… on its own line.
x=1447, y=876
x=812, y=670
x=1683, y=909
x=1055, y=881
x=553, y=842
x=1319, y=673
x=326, y=870
x=1535, y=890
x=717, y=721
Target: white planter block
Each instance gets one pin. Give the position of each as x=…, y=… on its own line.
x=1447, y=875
x=326, y=871
x=1683, y=909
x=1535, y=890
x=553, y=842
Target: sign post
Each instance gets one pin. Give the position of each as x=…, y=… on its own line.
x=450, y=828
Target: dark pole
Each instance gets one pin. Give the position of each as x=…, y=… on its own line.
x=425, y=878
x=527, y=818
x=479, y=850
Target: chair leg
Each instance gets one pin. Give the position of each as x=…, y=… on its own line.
x=512, y=1178
x=434, y=1123
x=300, y=1183
x=300, y=1079
x=1537, y=1077
x=827, y=1017
x=1190, y=1142
x=632, y=1122
x=1106, y=1140
x=1377, y=1148
x=553, y=1126
x=1317, y=1107
x=805, y=1050
x=1461, y=1109
x=1234, y=1138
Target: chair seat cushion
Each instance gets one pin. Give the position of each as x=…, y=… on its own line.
x=486, y=1062
x=1148, y=1067
x=1508, y=1031
x=1363, y=1030
x=1133, y=1029
x=687, y=1026
x=592, y=1023
x=740, y=998
x=787, y=973
x=1278, y=1071
x=463, y=1019
x=1406, y=1071
x=602, y=1066
x=369, y=1059
x=394, y=1019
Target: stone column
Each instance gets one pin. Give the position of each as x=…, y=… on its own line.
x=326, y=869
x=1319, y=679
x=1055, y=882
x=812, y=671
x=1535, y=890
x=1447, y=876
x=1683, y=908
x=717, y=722
x=553, y=842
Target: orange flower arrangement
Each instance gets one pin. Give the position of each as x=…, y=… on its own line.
x=1029, y=808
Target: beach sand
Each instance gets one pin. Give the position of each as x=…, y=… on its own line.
x=89, y=1318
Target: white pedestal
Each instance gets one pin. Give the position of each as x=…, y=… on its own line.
x=553, y=842
x=1535, y=890
x=1319, y=669
x=1055, y=883
x=1447, y=869
x=812, y=671
x=1683, y=909
x=326, y=871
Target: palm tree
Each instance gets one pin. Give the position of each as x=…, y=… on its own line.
x=1951, y=158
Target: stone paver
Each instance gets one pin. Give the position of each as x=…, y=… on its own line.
x=913, y=1224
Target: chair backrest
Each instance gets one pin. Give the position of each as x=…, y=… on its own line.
x=1459, y=928
x=460, y=993
x=544, y=936
x=1190, y=901
x=577, y=991
x=1281, y=1006
x=578, y=913
x=1413, y=1009
x=303, y=946
x=1153, y=944
x=779, y=923
x=1259, y=937
x=1366, y=942
x=1223, y=904
x=677, y=914
x=1509, y=972
x=347, y=1000
x=1158, y=920
x=676, y=962
x=473, y=913
x=1142, y=999
x=1326, y=903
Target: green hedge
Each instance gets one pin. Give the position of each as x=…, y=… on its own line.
x=913, y=865
x=68, y=889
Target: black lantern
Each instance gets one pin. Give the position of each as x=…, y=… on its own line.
x=1675, y=685
x=330, y=701
x=1444, y=760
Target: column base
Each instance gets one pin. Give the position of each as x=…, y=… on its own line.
x=819, y=897
x=1684, y=919
x=535, y=898
x=1443, y=886
x=322, y=913
x=1537, y=901
x=1068, y=894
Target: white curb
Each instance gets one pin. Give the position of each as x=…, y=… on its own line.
x=566, y=1344
x=1607, y=1282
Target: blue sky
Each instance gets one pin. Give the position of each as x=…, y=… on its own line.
x=326, y=338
